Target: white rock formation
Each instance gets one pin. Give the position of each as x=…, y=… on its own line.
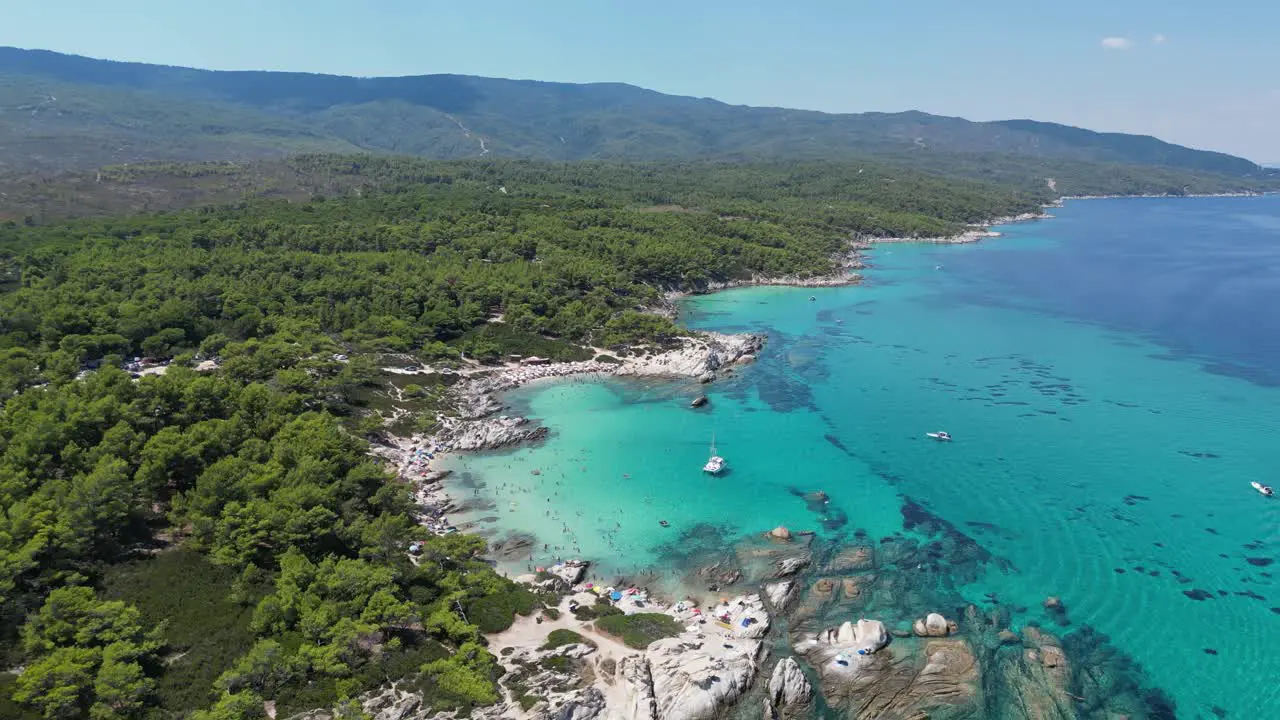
x=491, y=433
x=868, y=636
x=698, y=355
x=695, y=675
x=694, y=680
x=637, y=690
x=780, y=594
x=788, y=686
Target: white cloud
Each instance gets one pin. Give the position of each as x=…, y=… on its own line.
x=1159, y=39
x=1117, y=43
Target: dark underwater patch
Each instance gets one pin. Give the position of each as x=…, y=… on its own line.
x=1198, y=594
x=1200, y=455
x=960, y=547
x=1111, y=678
x=1259, y=561
x=836, y=441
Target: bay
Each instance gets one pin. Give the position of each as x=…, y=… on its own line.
x=1111, y=376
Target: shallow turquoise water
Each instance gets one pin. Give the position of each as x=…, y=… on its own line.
x=1110, y=406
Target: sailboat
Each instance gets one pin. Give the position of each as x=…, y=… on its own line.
x=715, y=464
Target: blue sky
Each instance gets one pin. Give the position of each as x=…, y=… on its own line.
x=1206, y=74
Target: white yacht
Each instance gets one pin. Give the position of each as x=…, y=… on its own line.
x=940, y=436
x=715, y=464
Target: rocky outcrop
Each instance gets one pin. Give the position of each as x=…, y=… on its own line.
x=637, y=688
x=686, y=678
x=899, y=682
x=854, y=558
x=697, y=356
x=780, y=533
x=558, y=688
x=789, y=689
x=854, y=587
x=693, y=680
x=585, y=704
x=933, y=625
x=1056, y=610
x=1033, y=680
x=697, y=674
x=865, y=637
x=790, y=566
x=570, y=571
x=780, y=594
x=905, y=680
x=491, y=433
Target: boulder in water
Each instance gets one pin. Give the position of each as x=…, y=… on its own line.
x=780, y=533
x=853, y=586
x=825, y=588
x=932, y=625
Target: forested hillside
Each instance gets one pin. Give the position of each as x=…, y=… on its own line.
x=193, y=543
x=912, y=183
x=60, y=112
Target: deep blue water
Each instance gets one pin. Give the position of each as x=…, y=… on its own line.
x=1199, y=277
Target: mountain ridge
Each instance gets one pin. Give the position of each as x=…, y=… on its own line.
x=113, y=111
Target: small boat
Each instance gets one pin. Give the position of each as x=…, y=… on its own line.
x=813, y=298
x=664, y=523
x=699, y=401
x=940, y=436
x=1264, y=489
x=715, y=464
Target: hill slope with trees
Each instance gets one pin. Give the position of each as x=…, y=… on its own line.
x=60, y=112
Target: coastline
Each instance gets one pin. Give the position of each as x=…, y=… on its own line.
x=979, y=231
x=529, y=632
x=478, y=424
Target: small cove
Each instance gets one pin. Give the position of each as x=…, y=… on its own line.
x=1110, y=377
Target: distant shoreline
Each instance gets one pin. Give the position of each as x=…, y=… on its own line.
x=983, y=231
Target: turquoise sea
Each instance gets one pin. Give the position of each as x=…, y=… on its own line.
x=1111, y=377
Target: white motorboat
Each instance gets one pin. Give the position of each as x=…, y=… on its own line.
x=715, y=464
x=940, y=436
x=1264, y=489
